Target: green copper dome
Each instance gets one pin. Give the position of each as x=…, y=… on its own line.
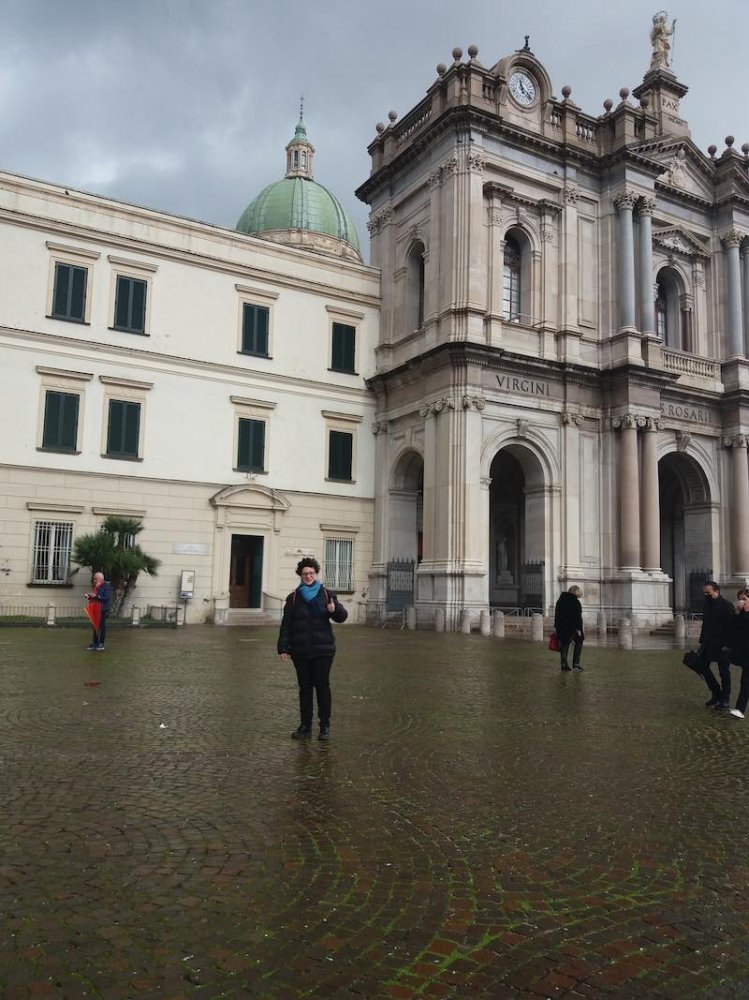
x=298, y=211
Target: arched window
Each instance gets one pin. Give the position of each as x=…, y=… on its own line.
x=660, y=310
x=415, y=286
x=511, y=280
x=672, y=313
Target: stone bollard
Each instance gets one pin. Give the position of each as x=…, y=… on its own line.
x=680, y=628
x=180, y=616
x=411, y=618
x=51, y=608
x=537, y=627
x=625, y=634
x=439, y=620
x=485, y=622
x=601, y=623
x=465, y=622
x=136, y=615
x=499, y=625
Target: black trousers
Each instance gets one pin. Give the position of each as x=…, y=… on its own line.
x=743, y=698
x=722, y=690
x=314, y=674
x=577, y=643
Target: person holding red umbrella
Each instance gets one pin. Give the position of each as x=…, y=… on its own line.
x=97, y=609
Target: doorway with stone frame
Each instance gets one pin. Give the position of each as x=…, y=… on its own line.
x=686, y=516
x=406, y=508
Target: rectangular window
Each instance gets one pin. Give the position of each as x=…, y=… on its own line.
x=340, y=454
x=123, y=429
x=255, y=329
x=344, y=348
x=339, y=563
x=69, y=296
x=60, y=431
x=130, y=304
x=251, y=445
x=52, y=546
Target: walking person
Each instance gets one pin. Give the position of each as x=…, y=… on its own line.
x=307, y=637
x=715, y=638
x=738, y=650
x=101, y=596
x=568, y=625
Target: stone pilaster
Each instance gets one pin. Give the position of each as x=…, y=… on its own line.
x=650, y=510
x=625, y=203
x=647, y=302
x=739, y=541
x=734, y=319
x=629, y=492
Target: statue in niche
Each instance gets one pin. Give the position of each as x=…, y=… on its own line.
x=659, y=39
x=504, y=554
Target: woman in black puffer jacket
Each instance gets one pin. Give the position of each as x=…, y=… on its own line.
x=306, y=636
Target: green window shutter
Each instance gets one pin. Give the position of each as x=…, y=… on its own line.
x=69, y=296
x=344, y=348
x=62, y=283
x=60, y=421
x=78, y=294
x=123, y=433
x=132, y=429
x=255, y=329
x=251, y=445
x=114, y=430
x=340, y=452
x=130, y=304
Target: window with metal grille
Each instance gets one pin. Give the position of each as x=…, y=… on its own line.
x=340, y=455
x=255, y=329
x=251, y=445
x=123, y=431
x=511, y=280
x=661, y=311
x=344, y=348
x=60, y=431
x=52, y=546
x=69, y=296
x=130, y=304
x=339, y=564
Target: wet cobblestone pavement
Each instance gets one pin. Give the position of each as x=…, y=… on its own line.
x=480, y=825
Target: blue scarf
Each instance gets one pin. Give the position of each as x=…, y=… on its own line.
x=309, y=591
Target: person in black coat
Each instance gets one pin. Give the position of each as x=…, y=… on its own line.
x=307, y=637
x=738, y=650
x=715, y=636
x=568, y=625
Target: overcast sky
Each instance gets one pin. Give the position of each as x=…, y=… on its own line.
x=186, y=105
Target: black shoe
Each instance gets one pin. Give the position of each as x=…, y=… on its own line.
x=324, y=733
x=712, y=702
x=722, y=706
x=300, y=732
x=565, y=667
x=576, y=666
x=91, y=646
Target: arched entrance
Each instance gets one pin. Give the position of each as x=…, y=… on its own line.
x=516, y=530
x=686, y=529
x=406, y=508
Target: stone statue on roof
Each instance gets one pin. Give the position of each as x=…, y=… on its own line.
x=659, y=39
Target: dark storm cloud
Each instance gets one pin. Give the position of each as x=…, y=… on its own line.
x=186, y=106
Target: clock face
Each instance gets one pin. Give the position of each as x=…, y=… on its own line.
x=522, y=88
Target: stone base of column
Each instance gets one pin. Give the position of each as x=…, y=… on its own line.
x=735, y=374
x=624, y=348
x=652, y=351
x=645, y=598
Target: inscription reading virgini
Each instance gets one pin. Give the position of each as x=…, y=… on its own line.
x=529, y=386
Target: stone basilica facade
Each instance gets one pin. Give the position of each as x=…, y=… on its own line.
x=541, y=379
x=562, y=368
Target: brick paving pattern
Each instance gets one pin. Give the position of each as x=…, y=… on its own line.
x=480, y=825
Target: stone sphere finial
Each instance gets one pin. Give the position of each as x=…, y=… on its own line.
x=566, y=91
x=644, y=102
x=441, y=69
x=457, y=53
x=380, y=127
x=745, y=149
x=608, y=104
x=473, y=51
x=624, y=93
x=712, y=150
x=729, y=141
x=392, y=115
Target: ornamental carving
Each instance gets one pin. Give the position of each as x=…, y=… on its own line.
x=698, y=276
x=547, y=234
x=683, y=440
x=523, y=428
x=732, y=238
x=495, y=216
x=570, y=194
x=735, y=441
x=437, y=406
x=626, y=421
x=647, y=206
x=380, y=427
x=435, y=178
x=625, y=200
x=380, y=219
x=479, y=402
x=476, y=161
x=653, y=424
x=568, y=417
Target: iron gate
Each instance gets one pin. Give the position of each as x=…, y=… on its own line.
x=532, y=585
x=400, y=584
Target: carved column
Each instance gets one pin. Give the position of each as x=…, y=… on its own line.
x=650, y=511
x=629, y=493
x=745, y=290
x=732, y=241
x=647, y=302
x=739, y=504
x=626, y=263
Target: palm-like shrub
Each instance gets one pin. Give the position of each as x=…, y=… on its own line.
x=114, y=552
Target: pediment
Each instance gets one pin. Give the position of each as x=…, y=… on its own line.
x=674, y=239
x=684, y=169
x=250, y=496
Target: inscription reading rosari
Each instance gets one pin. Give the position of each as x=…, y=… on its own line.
x=515, y=383
x=683, y=411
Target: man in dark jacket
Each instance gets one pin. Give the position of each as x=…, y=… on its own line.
x=568, y=625
x=101, y=595
x=307, y=637
x=715, y=637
